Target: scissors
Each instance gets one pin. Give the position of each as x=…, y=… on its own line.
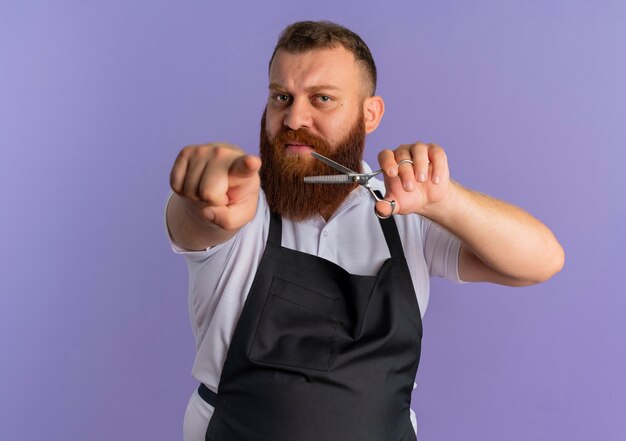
x=349, y=177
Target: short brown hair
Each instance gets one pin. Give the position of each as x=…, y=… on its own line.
x=303, y=36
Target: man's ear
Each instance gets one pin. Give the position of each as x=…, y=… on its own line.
x=373, y=110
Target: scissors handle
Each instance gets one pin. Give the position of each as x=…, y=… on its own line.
x=392, y=203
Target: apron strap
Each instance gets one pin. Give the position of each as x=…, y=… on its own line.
x=275, y=235
x=207, y=395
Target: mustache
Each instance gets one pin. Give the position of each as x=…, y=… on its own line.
x=301, y=136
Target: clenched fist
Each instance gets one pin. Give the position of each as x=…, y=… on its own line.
x=217, y=185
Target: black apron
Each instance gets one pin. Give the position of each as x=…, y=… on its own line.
x=319, y=354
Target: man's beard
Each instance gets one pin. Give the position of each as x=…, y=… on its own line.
x=282, y=173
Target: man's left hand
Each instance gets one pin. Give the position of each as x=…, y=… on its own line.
x=420, y=186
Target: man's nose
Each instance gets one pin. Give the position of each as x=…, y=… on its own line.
x=298, y=115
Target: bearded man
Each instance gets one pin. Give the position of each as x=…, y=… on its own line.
x=307, y=307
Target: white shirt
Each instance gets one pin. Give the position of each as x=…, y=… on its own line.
x=220, y=277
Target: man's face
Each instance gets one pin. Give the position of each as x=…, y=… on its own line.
x=321, y=90
x=315, y=103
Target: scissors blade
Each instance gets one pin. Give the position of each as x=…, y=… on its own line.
x=329, y=179
x=332, y=163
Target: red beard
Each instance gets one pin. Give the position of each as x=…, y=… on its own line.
x=282, y=174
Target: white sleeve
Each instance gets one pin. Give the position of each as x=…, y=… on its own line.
x=441, y=251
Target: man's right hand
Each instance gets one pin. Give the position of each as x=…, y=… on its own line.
x=217, y=188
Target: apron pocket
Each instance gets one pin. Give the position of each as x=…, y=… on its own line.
x=297, y=327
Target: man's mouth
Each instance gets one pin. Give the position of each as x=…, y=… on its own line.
x=298, y=148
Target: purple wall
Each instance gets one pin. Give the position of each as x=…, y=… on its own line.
x=96, y=99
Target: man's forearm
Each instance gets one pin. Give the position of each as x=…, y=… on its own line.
x=505, y=238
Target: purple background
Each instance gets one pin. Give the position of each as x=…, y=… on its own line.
x=96, y=99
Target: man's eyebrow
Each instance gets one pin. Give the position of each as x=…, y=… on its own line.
x=317, y=88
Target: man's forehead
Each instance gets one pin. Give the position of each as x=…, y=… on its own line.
x=329, y=66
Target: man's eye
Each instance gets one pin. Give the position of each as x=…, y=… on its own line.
x=324, y=98
x=282, y=98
